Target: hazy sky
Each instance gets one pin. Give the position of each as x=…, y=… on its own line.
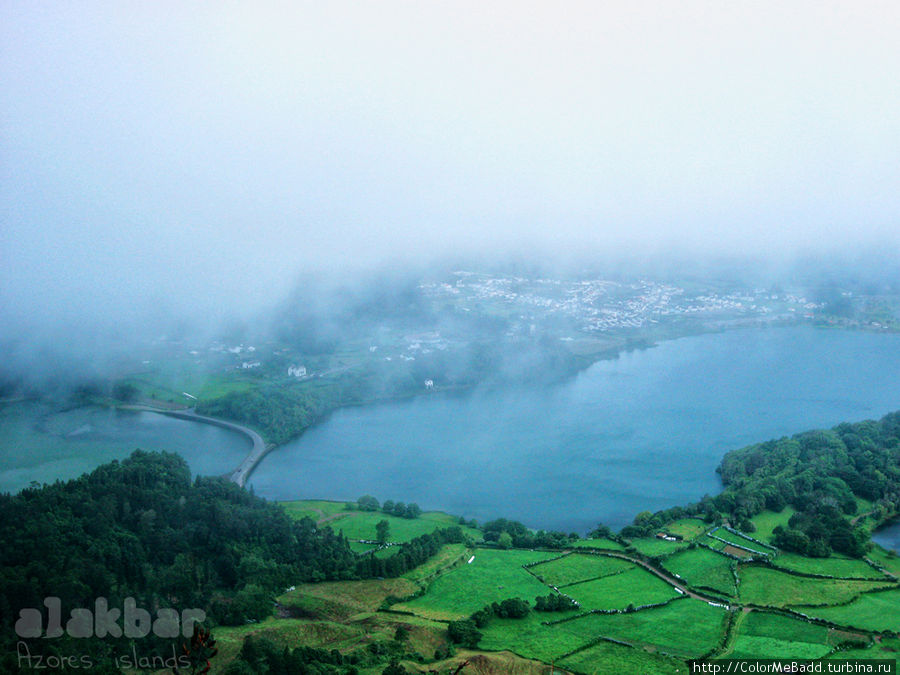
x=181, y=153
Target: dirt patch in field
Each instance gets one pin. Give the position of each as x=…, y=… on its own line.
x=500, y=663
x=739, y=552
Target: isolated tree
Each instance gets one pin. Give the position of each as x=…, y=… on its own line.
x=464, y=633
x=367, y=503
x=600, y=532
x=382, y=530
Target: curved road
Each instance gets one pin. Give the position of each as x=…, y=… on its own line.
x=257, y=452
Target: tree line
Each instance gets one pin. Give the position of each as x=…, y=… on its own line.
x=819, y=473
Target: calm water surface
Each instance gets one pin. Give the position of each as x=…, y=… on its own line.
x=889, y=537
x=42, y=447
x=642, y=432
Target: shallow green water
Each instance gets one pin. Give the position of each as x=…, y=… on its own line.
x=39, y=445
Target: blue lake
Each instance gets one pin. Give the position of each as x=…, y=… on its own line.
x=642, y=432
x=889, y=536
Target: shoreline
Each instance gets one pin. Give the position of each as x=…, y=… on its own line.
x=262, y=448
x=258, y=450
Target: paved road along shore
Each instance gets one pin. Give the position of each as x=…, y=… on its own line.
x=257, y=452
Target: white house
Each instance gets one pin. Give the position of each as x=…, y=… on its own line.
x=296, y=371
x=250, y=364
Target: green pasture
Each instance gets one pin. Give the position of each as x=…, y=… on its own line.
x=879, y=611
x=608, y=657
x=686, y=628
x=702, y=567
x=773, y=588
x=656, y=547
x=603, y=544
x=688, y=528
x=357, y=524
x=636, y=587
x=576, y=567
x=743, y=542
x=448, y=556
x=889, y=560
x=833, y=566
x=767, y=521
x=493, y=576
x=886, y=648
x=714, y=544
x=772, y=636
x=528, y=637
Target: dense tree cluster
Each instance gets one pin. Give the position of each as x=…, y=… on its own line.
x=279, y=413
x=142, y=528
x=817, y=530
x=261, y=655
x=411, y=554
x=465, y=631
x=818, y=473
x=511, y=533
x=401, y=510
x=555, y=602
x=390, y=507
x=511, y=608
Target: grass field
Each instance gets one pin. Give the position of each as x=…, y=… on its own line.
x=492, y=576
x=887, y=559
x=689, y=528
x=636, y=587
x=713, y=543
x=872, y=611
x=607, y=657
x=767, y=521
x=528, y=637
x=607, y=544
x=742, y=542
x=658, y=548
x=686, y=628
x=768, y=587
x=575, y=568
x=447, y=557
x=833, y=566
x=341, y=599
x=702, y=567
x=288, y=632
x=169, y=385
x=887, y=648
x=359, y=547
x=361, y=524
x=771, y=636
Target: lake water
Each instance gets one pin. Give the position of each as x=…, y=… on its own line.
x=889, y=537
x=641, y=432
x=39, y=445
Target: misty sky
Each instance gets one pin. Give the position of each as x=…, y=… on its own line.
x=173, y=154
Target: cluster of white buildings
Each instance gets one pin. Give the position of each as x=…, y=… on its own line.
x=601, y=305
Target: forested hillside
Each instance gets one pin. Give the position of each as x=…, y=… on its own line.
x=141, y=528
x=821, y=474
